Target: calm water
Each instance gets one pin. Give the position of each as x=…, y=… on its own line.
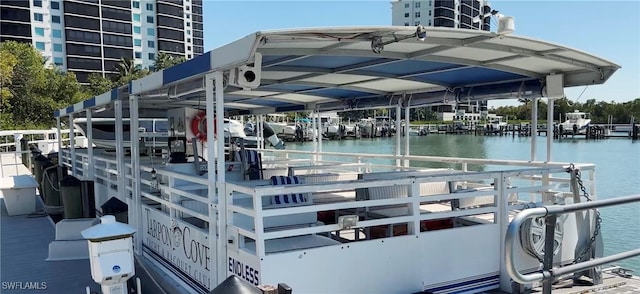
x=617, y=170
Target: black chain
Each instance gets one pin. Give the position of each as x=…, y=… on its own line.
x=596, y=232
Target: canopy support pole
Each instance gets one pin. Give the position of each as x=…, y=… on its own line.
x=72, y=148
x=136, y=212
x=534, y=127
x=89, y=134
x=407, y=128
x=550, y=106
x=59, y=125
x=398, y=135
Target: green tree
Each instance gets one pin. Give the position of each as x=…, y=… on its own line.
x=98, y=84
x=7, y=63
x=164, y=60
x=34, y=90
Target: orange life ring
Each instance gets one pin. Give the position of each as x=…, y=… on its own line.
x=199, y=126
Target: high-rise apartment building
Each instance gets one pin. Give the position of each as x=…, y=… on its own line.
x=86, y=36
x=440, y=13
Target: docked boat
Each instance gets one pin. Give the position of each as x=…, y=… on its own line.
x=576, y=123
x=350, y=222
x=153, y=131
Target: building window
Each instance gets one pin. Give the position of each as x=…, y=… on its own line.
x=136, y=4
x=407, y=5
x=189, y=56
x=136, y=17
x=136, y=29
x=37, y=3
x=417, y=23
x=55, y=5
x=138, y=54
x=150, y=6
x=150, y=19
x=40, y=46
x=56, y=33
x=406, y=14
x=417, y=13
x=137, y=42
x=429, y=12
x=55, y=19
x=57, y=47
x=188, y=24
x=429, y=2
x=151, y=44
x=188, y=8
x=406, y=24
x=188, y=15
x=417, y=4
x=58, y=61
x=188, y=39
x=189, y=48
x=152, y=56
x=40, y=32
x=429, y=22
x=151, y=32
x=38, y=17
x=188, y=32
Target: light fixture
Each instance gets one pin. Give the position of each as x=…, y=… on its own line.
x=478, y=18
x=506, y=24
x=421, y=32
x=377, y=46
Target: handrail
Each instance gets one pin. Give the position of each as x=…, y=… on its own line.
x=553, y=210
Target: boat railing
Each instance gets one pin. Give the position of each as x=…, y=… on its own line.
x=15, y=147
x=167, y=188
x=548, y=273
x=382, y=160
x=410, y=212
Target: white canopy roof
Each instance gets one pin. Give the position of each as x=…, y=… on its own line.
x=336, y=69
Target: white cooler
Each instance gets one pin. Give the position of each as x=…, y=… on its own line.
x=19, y=193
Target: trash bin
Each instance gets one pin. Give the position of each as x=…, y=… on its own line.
x=51, y=175
x=19, y=193
x=34, y=153
x=117, y=208
x=39, y=161
x=24, y=148
x=71, y=195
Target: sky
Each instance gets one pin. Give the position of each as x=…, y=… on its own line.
x=607, y=29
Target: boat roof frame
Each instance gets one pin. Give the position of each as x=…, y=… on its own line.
x=335, y=69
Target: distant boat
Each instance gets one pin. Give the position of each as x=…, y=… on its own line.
x=576, y=123
x=154, y=130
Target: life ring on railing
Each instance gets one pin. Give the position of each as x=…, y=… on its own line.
x=199, y=126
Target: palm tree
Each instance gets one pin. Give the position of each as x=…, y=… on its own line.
x=164, y=60
x=127, y=71
x=126, y=67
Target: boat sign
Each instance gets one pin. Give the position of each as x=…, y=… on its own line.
x=244, y=266
x=183, y=245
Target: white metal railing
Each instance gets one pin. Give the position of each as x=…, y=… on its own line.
x=13, y=152
x=413, y=203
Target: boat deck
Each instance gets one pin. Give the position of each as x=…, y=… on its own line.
x=25, y=246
